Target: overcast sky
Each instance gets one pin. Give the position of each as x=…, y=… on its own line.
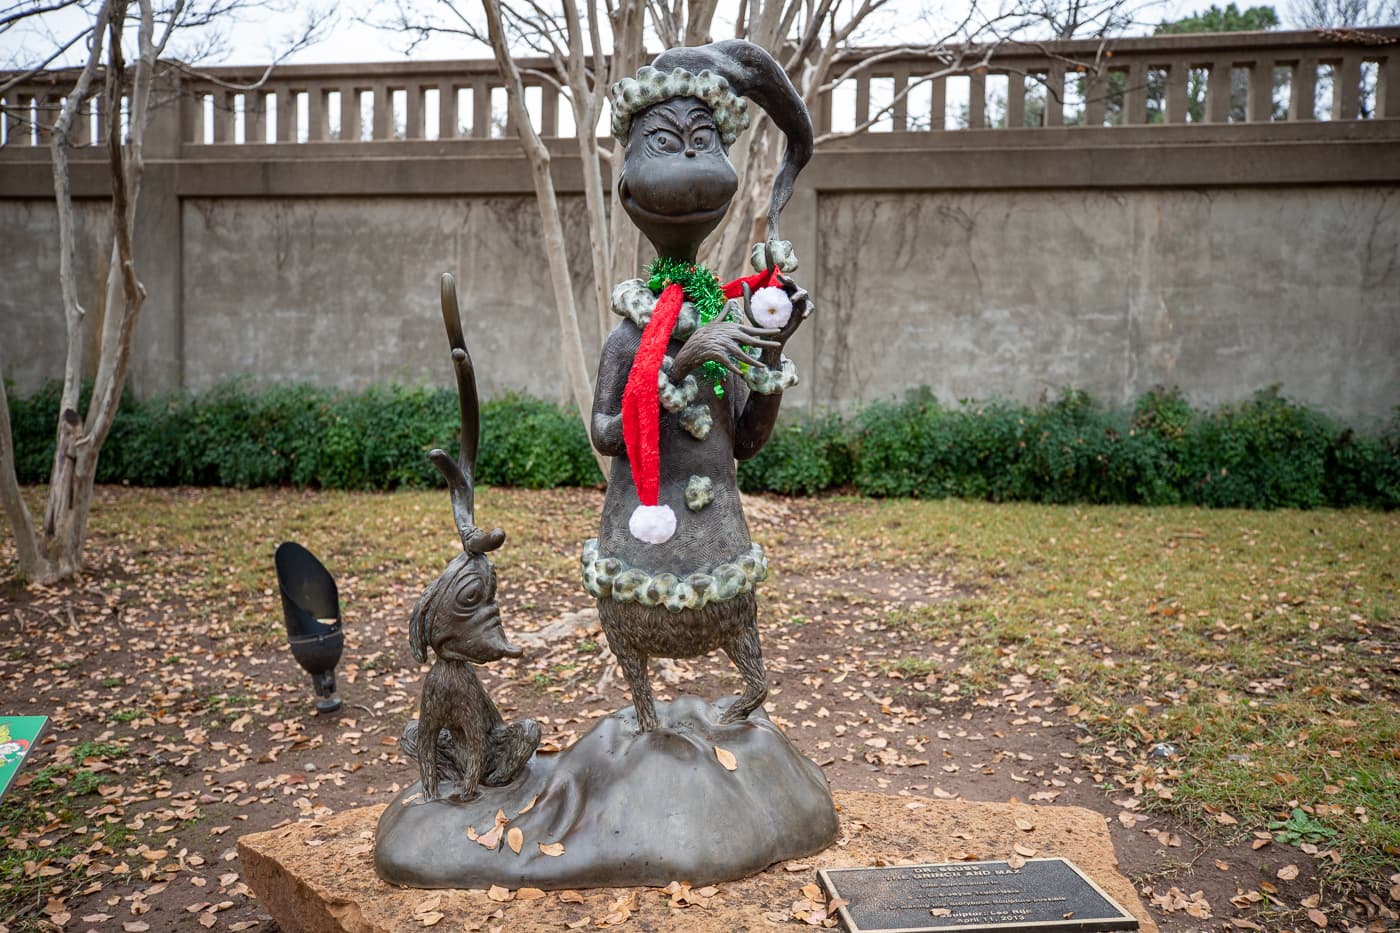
x=257, y=36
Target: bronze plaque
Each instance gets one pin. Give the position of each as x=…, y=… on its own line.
x=1042, y=894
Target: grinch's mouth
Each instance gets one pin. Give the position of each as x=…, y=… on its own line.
x=635, y=209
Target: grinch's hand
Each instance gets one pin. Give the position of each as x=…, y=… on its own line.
x=782, y=307
x=721, y=342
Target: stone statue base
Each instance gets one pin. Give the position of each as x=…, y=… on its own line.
x=318, y=876
x=627, y=808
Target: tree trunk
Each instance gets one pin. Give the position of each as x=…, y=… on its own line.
x=571, y=340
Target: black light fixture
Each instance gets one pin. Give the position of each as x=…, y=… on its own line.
x=311, y=607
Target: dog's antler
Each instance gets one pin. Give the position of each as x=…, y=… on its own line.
x=461, y=473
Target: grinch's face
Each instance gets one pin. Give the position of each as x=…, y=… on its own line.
x=676, y=181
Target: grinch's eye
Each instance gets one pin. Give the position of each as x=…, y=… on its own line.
x=665, y=141
x=701, y=139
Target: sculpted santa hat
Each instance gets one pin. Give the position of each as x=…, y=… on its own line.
x=721, y=75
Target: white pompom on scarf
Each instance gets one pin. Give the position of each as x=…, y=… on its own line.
x=654, y=524
x=771, y=307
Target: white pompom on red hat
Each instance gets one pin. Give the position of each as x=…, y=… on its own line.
x=654, y=524
x=771, y=307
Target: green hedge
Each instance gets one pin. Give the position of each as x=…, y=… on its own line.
x=1266, y=452
x=299, y=435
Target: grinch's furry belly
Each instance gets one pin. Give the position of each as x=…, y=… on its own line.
x=657, y=632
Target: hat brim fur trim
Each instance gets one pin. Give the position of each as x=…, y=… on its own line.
x=631, y=96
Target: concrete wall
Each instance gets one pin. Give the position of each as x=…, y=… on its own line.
x=1017, y=294
x=972, y=293
x=344, y=291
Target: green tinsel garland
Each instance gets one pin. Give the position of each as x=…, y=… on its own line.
x=702, y=290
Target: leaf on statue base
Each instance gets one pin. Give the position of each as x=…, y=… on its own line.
x=515, y=839
x=554, y=849
x=726, y=758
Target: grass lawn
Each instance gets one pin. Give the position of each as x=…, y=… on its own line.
x=1263, y=647
x=1229, y=670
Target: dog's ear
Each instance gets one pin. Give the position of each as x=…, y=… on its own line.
x=420, y=625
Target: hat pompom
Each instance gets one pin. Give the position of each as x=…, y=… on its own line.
x=654, y=524
x=771, y=307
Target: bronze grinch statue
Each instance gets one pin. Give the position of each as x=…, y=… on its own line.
x=691, y=378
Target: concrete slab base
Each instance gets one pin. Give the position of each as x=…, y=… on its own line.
x=319, y=877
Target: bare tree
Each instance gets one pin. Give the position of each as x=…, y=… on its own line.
x=1324, y=14
x=592, y=45
x=53, y=549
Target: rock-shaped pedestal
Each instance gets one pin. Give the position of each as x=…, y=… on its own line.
x=318, y=876
x=694, y=800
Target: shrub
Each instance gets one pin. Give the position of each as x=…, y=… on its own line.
x=530, y=443
x=1266, y=452
x=804, y=455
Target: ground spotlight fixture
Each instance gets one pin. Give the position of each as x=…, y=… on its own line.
x=311, y=607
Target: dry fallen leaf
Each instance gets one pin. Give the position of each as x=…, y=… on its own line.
x=515, y=839
x=726, y=758
x=554, y=849
x=1287, y=872
x=1025, y=850
x=1317, y=917
x=526, y=809
x=498, y=893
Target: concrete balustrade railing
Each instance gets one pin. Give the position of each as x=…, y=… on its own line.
x=1132, y=82
x=1267, y=77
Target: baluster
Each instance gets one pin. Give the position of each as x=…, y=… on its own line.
x=1259, y=108
x=862, y=99
x=350, y=114
x=824, y=113
x=1095, y=96
x=900, y=112
x=287, y=116
x=447, y=111
x=1135, y=95
x=938, y=104
x=977, y=99
x=1015, y=101
x=12, y=121
x=1177, y=100
x=255, y=117
x=1346, y=88
x=1301, y=102
x=383, y=112
x=318, y=124
x=222, y=115
x=82, y=125
x=1388, y=86
x=549, y=111
x=192, y=113
x=1055, y=95
x=1218, y=92
x=413, y=127
x=481, y=109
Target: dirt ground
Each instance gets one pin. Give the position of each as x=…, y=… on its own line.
x=198, y=737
